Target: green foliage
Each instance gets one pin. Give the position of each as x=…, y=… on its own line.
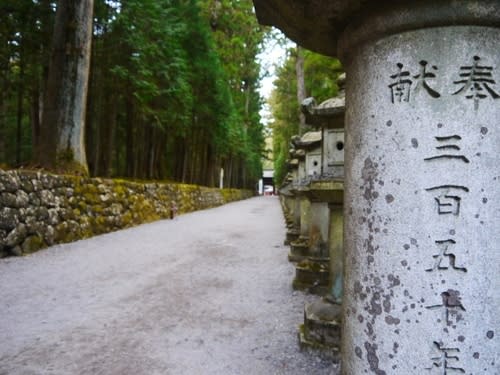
x=25, y=32
x=172, y=89
x=152, y=61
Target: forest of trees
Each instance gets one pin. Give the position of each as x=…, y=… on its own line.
x=172, y=88
x=303, y=74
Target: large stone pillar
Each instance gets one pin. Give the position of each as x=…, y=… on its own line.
x=422, y=184
x=422, y=222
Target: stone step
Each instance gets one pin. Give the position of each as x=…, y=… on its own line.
x=291, y=235
x=312, y=275
x=299, y=249
x=324, y=351
x=321, y=331
x=322, y=321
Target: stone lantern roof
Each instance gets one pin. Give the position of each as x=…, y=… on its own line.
x=293, y=163
x=300, y=154
x=328, y=114
x=335, y=27
x=314, y=24
x=308, y=140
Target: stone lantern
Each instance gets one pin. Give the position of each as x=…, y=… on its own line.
x=422, y=177
x=308, y=143
x=322, y=318
x=312, y=271
x=287, y=203
x=328, y=187
x=293, y=232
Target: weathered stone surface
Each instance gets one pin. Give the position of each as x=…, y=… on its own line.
x=47, y=198
x=59, y=209
x=34, y=199
x=312, y=275
x=37, y=184
x=16, y=236
x=3, y=234
x=49, y=235
x=34, y=225
x=32, y=244
x=66, y=214
x=53, y=218
x=9, y=218
x=8, y=200
x=47, y=181
x=41, y=213
x=26, y=184
x=422, y=167
x=22, y=199
x=322, y=321
x=9, y=182
x=17, y=250
x=422, y=172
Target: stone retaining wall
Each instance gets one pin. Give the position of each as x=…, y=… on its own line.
x=39, y=209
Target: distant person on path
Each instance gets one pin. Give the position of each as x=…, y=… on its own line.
x=173, y=210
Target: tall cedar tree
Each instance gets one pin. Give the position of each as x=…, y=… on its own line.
x=62, y=129
x=171, y=94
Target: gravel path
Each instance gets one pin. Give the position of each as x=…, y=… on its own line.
x=206, y=293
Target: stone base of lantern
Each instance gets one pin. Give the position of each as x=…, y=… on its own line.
x=312, y=275
x=291, y=235
x=299, y=249
x=320, y=332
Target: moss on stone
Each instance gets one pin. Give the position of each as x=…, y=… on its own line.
x=32, y=244
x=90, y=206
x=66, y=164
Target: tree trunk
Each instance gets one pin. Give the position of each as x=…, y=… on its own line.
x=66, y=97
x=4, y=86
x=107, y=136
x=20, y=109
x=35, y=115
x=185, y=162
x=3, y=152
x=92, y=115
x=301, y=87
x=129, y=123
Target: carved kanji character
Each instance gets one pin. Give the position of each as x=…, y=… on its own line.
x=451, y=304
x=400, y=88
x=445, y=360
x=446, y=146
x=476, y=81
x=444, y=259
x=448, y=202
x=422, y=79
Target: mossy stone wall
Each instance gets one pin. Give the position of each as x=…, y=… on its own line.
x=39, y=209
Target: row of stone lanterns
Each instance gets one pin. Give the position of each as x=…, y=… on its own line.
x=422, y=178
x=312, y=199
